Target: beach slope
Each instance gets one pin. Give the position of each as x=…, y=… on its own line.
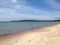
x=42, y=36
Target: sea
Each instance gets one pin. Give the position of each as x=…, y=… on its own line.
x=15, y=27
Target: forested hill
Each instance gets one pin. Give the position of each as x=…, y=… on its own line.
x=35, y=20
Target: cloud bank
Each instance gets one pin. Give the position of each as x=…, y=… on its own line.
x=19, y=10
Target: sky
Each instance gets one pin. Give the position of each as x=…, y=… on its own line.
x=29, y=10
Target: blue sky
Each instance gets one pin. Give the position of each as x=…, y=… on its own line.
x=29, y=9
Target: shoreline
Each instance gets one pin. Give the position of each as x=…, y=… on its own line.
x=42, y=36
x=26, y=30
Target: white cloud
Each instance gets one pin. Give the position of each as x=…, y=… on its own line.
x=14, y=1
x=18, y=6
x=9, y=14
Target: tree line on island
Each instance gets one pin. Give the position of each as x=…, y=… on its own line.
x=35, y=21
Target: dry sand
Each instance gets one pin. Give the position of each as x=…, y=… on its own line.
x=43, y=36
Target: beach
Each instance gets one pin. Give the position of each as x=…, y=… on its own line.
x=49, y=35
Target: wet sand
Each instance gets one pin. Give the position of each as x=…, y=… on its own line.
x=42, y=36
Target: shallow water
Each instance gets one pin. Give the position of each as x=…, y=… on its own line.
x=13, y=27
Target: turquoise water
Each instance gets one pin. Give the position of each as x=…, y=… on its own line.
x=14, y=27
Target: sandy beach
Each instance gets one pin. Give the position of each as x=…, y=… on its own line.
x=42, y=36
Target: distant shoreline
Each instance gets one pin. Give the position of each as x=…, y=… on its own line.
x=32, y=21
x=35, y=21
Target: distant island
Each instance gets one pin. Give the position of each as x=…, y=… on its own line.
x=35, y=21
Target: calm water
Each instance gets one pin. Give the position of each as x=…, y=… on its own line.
x=13, y=27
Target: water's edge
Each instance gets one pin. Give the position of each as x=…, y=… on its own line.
x=15, y=27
